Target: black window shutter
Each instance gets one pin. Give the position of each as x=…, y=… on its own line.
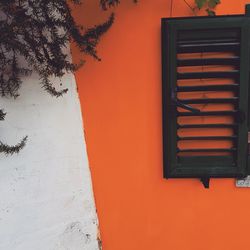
x=205, y=76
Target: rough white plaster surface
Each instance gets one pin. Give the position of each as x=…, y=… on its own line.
x=46, y=199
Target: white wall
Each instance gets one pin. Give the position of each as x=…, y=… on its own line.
x=46, y=199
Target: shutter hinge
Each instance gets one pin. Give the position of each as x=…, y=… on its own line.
x=205, y=181
x=247, y=10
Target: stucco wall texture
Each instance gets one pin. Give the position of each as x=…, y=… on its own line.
x=46, y=199
x=121, y=103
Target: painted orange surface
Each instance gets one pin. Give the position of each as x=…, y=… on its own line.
x=121, y=104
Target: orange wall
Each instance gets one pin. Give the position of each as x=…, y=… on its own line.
x=121, y=103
